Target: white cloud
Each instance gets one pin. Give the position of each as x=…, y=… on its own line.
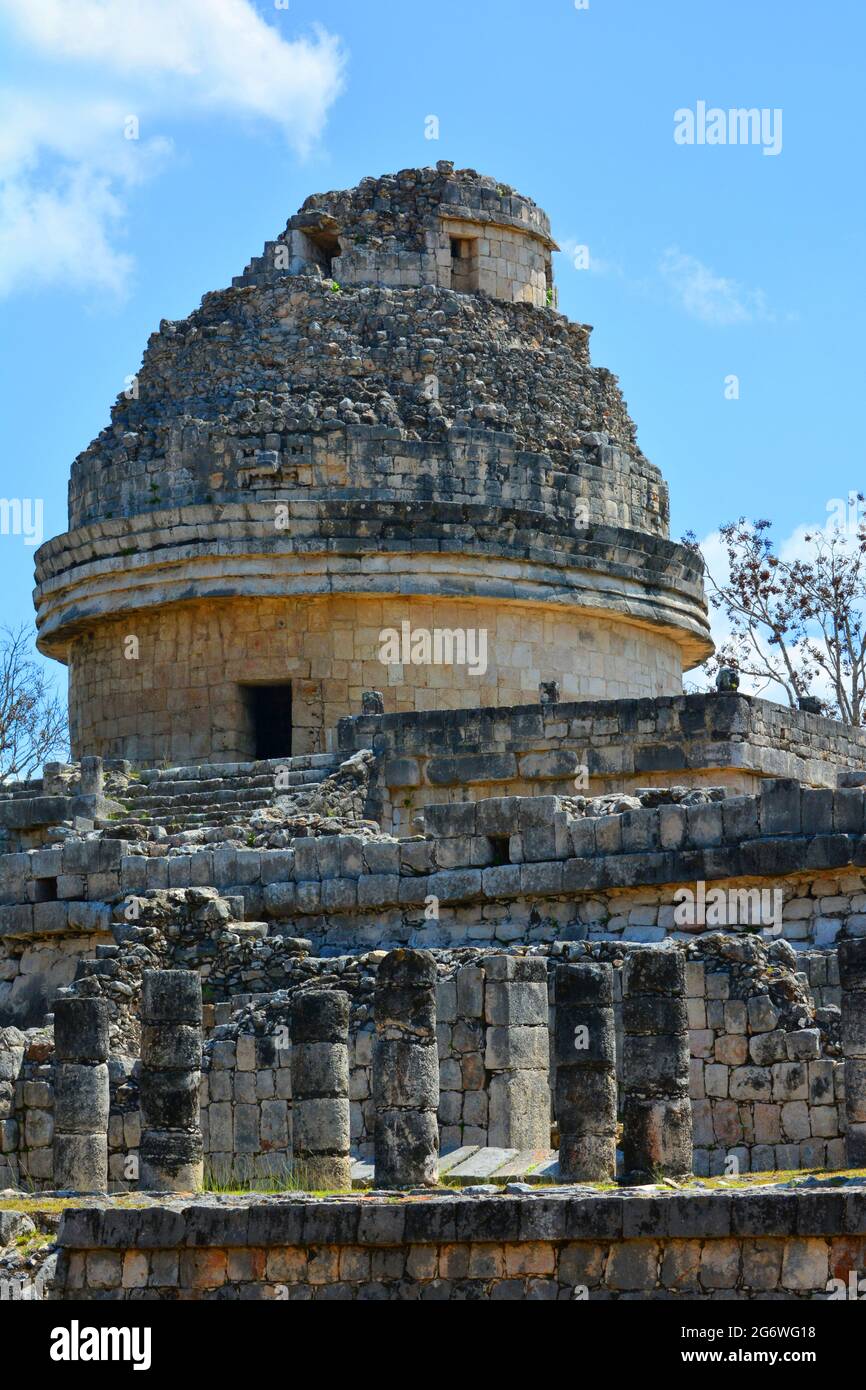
x=65, y=166
x=62, y=234
x=712, y=299
x=569, y=246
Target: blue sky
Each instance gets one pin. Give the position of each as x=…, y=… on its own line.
x=705, y=261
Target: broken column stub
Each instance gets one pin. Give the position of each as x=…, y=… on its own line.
x=92, y=777
x=320, y=1089
x=406, y=1071
x=657, y=1113
x=170, y=1157
x=517, y=1051
x=585, y=1061
x=852, y=977
x=81, y=1095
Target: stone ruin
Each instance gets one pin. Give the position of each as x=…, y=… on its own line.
x=336, y=897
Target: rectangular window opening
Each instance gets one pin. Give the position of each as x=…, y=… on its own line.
x=464, y=264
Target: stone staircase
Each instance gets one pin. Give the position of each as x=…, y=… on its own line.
x=216, y=794
x=18, y=791
x=262, y=269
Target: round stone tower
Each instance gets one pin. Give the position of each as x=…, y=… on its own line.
x=380, y=459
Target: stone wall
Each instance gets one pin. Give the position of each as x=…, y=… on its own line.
x=246, y=1095
x=377, y=351
x=496, y=260
x=729, y=740
x=397, y=230
x=752, y=1245
x=767, y=1086
x=186, y=695
x=766, y=1093
x=506, y=869
x=27, y=1113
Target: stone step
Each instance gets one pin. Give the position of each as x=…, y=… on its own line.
x=194, y=821
x=481, y=1165
x=219, y=790
x=179, y=799
x=470, y=1165
x=137, y=789
x=222, y=772
x=206, y=798
x=171, y=808
x=234, y=796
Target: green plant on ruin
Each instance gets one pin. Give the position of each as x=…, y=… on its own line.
x=240, y=1177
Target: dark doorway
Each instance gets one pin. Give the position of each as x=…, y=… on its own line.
x=327, y=243
x=271, y=713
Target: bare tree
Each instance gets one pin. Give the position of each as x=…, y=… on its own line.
x=33, y=721
x=795, y=622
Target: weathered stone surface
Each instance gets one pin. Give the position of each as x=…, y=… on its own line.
x=171, y=996
x=171, y=1150
x=584, y=1060
x=657, y=1117
x=80, y=1162
x=170, y=1161
x=406, y=1148
x=81, y=1098
x=406, y=1136
x=81, y=1030
x=320, y=1089
x=81, y=1095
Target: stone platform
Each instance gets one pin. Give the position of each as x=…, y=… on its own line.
x=474, y=1163
x=794, y=1241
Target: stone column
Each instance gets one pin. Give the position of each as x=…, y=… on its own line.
x=585, y=1061
x=657, y=1114
x=170, y=1158
x=852, y=977
x=406, y=1071
x=81, y=1095
x=320, y=1089
x=92, y=780
x=517, y=1051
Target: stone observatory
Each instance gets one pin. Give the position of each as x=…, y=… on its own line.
x=392, y=857
x=384, y=426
